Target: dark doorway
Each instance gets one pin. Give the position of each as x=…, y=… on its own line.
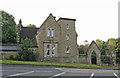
x=93, y=58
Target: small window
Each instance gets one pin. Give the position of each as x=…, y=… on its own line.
x=67, y=27
x=67, y=37
x=52, y=32
x=53, y=50
x=68, y=50
x=48, y=32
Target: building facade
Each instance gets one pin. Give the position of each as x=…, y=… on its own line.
x=55, y=40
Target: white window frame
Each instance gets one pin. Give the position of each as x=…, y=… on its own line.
x=52, y=33
x=68, y=50
x=67, y=26
x=48, y=32
x=53, y=50
x=47, y=49
x=67, y=37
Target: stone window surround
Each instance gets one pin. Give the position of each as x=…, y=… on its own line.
x=51, y=32
x=67, y=37
x=67, y=26
x=67, y=48
x=45, y=49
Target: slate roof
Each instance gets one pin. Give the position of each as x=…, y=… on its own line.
x=8, y=47
x=29, y=32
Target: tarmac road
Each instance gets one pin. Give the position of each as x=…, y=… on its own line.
x=21, y=71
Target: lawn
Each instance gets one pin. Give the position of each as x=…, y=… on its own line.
x=76, y=65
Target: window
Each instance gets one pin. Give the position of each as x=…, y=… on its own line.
x=67, y=37
x=48, y=50
x=48, y=32
x=68, y=50
x=53, y=50
x=52, y=32
x=67, y=26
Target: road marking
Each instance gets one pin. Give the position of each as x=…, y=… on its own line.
x=24, y=70
x=57, y=74
x=116, y=75
x=21, y=73
x=92, y=75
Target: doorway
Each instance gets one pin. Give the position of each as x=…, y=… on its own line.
x=93, y=58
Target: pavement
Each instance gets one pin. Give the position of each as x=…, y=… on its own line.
x=21, y=71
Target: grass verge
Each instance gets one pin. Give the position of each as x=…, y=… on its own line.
x=76, y=65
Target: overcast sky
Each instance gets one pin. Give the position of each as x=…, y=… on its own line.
x=95, y=19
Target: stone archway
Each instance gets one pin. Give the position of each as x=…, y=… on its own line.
x=93, y=47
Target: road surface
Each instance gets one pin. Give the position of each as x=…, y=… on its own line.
x=21, y=71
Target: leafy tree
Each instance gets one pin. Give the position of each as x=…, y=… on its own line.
x=86, y=45
x=99, y=43
x=8, y=28
x=111, y=47
x=31, y=25
x=25, y=51
x=104, y=50
x=81, y=49
x=118, y=50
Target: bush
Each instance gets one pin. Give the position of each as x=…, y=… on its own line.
x=26, y=52
x=11, y=57
x=108, y=60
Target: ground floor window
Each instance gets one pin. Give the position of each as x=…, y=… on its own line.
x=68, y=49
x=50, y=50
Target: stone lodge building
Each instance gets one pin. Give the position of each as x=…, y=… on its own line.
x=54, y=40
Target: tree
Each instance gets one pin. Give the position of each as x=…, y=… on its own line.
x=104, y=50
x=9, y=34
x=81, y=49
x=86, y=45
x=25, y=51
x=117, y=50
x=99, y=43
x=31, y=25
x=111, y=47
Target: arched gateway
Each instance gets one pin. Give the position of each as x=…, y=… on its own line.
x=94, y=54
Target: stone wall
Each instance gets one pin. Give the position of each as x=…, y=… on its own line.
x=7, y=54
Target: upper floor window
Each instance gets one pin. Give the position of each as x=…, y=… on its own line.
x=48, y=32
x=67, y=27
x=52, y=32
x=67, y=37
x=68, y=49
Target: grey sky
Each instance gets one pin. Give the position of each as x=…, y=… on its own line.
x=95, y=19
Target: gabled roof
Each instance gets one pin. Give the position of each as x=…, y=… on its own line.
x=93, y=42
x=48, y=18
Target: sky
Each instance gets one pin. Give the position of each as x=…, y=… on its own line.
x=95, y=19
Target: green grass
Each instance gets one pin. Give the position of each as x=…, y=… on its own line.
x=76, y=65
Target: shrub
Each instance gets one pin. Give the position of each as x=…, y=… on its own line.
x=26, y=52
x=11, y=57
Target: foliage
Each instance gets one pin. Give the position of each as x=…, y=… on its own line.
x=11, y=57
x=8, y=28
x=25, y=51
x=108, y=59
x=86, y=45
x=93, y=57
x=99, y=43
x=81, y=49
x=31, y=25
x=118, y=50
